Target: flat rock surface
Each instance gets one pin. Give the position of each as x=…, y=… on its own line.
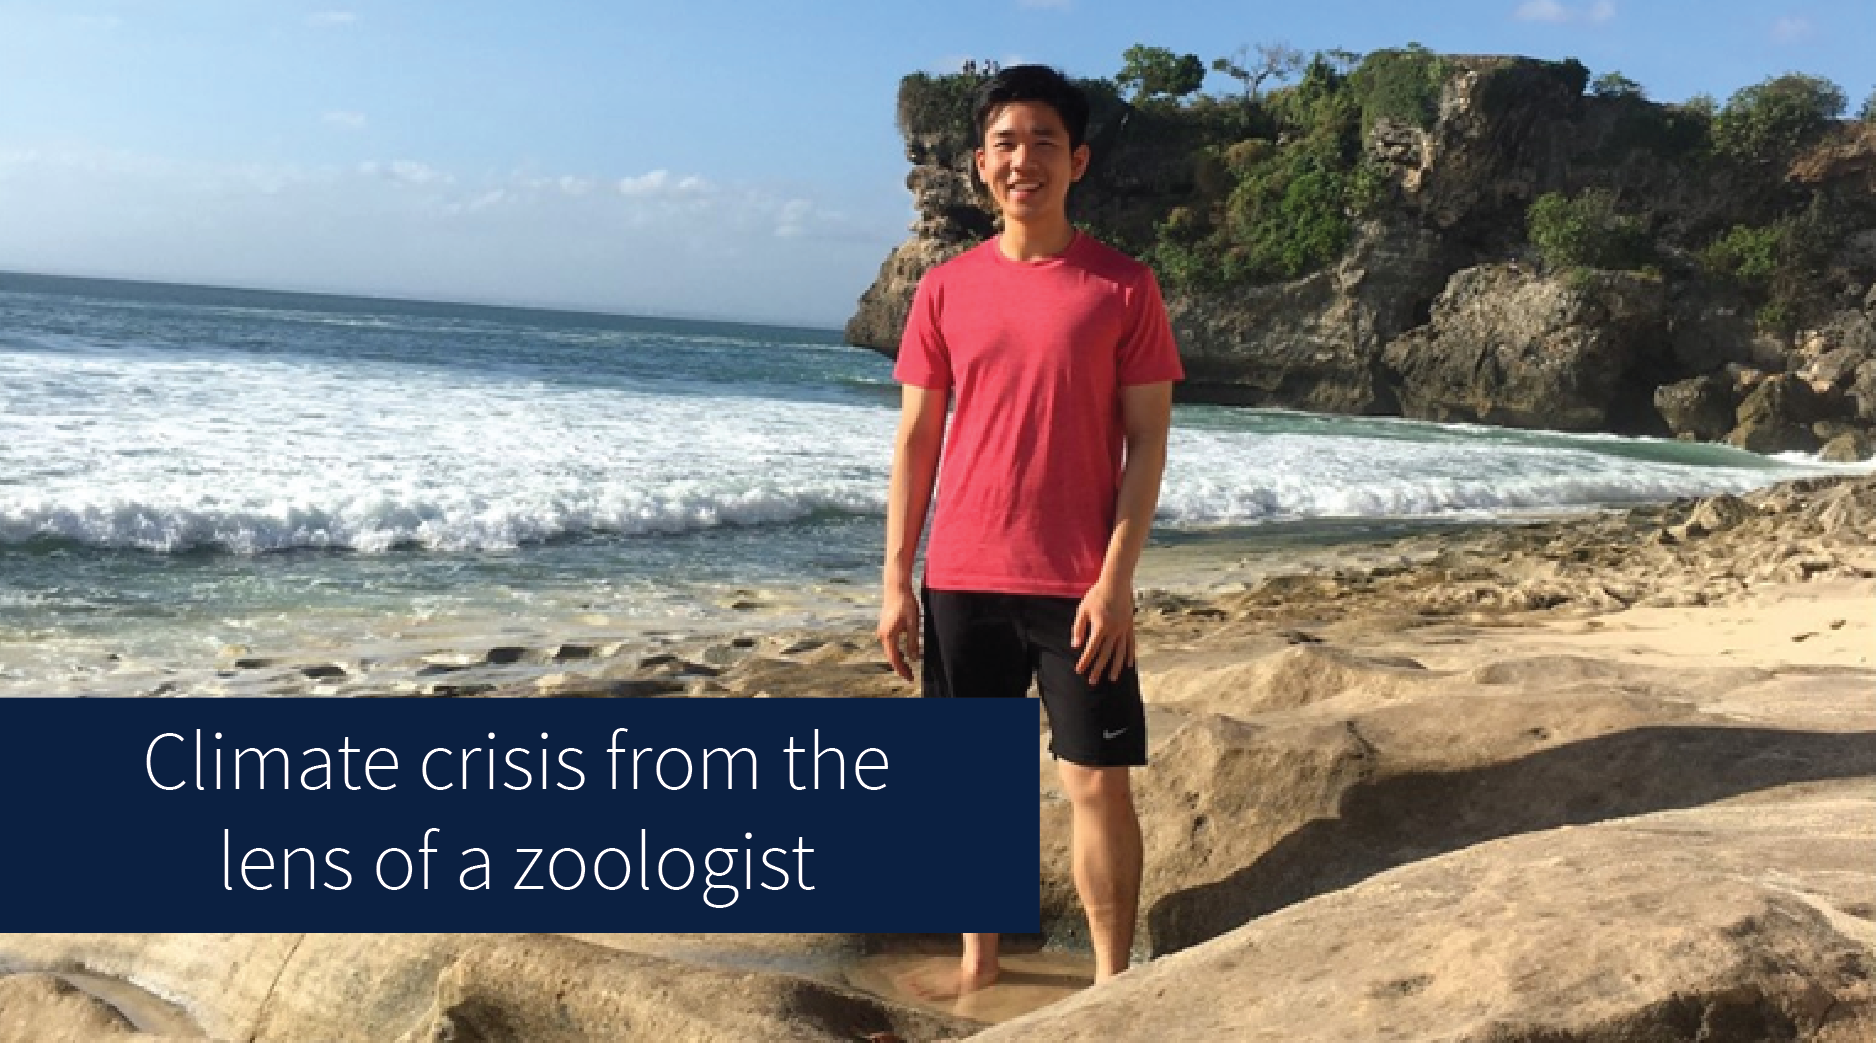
x=1747, y=920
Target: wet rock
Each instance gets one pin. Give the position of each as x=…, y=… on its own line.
x=574, y=686
x=725, y=654
x=1848, y=448
x=456, y=689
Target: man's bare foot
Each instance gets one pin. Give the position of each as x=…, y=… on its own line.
x=939, y=982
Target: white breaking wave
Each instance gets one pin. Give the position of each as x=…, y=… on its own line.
x=1224, y=478
x=375, y=523
x=176, y=450
x=169, y=452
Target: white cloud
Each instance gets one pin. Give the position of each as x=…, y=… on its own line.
x=660, y=183
x=330, y=19
x=1791, y=29
x=791, y=220
x=406, y=171
x=573, y=185
x=1560, y=13
x=481, y=202
x=412, y=172
x=348, y=120
x=1543, y=11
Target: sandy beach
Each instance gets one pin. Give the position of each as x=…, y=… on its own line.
x=1562, y=780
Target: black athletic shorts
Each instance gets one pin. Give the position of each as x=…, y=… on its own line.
x=990, y=646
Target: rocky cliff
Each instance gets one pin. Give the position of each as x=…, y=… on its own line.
x=1438, y=307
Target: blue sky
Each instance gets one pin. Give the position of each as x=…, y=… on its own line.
x=711, y=159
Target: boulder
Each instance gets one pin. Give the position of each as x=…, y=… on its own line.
x=1507, y=346
x=1835, y=368
x=1701, y=408
x=1776, y=417
x=1849, y=447
x=1863, y=391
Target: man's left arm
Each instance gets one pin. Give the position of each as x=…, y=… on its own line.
x=1104, y=622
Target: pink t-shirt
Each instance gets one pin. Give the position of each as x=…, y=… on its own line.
x=1034, y=355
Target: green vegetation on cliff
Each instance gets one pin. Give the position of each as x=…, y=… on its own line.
x=1587, y=231
x=1776, y=265
x=1281, y=201
x=1272, y=183
x=1768, y=123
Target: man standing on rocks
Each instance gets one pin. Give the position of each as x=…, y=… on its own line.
x=1056, y=354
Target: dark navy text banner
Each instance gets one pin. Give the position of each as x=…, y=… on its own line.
x=668, y=815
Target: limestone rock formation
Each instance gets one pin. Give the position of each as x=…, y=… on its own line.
x=1314, y=343
x=1508, y=347
x=1700, y=408
x=1777, y=417
x=1740, y=922
x=1361, y=336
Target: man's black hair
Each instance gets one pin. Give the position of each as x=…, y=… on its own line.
x=1034, y=83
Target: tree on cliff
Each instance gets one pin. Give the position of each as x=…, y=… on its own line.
x=1274, y=61
x=1155, y=72
x=1769, y=122
x=1613, y=84
x=1868, y=112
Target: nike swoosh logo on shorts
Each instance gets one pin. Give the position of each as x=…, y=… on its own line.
x=1109, y=735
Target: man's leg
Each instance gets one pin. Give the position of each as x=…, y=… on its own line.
x=979, y=966
x=1107, y=860
x=973, y=650
x=1099, y=735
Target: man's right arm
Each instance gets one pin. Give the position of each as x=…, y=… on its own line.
x=914, y=470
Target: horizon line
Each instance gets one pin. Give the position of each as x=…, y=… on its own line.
x=552, y=309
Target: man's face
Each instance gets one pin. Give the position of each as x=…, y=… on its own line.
x=1027, y=163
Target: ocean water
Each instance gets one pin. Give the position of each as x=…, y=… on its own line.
x=186, y=470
